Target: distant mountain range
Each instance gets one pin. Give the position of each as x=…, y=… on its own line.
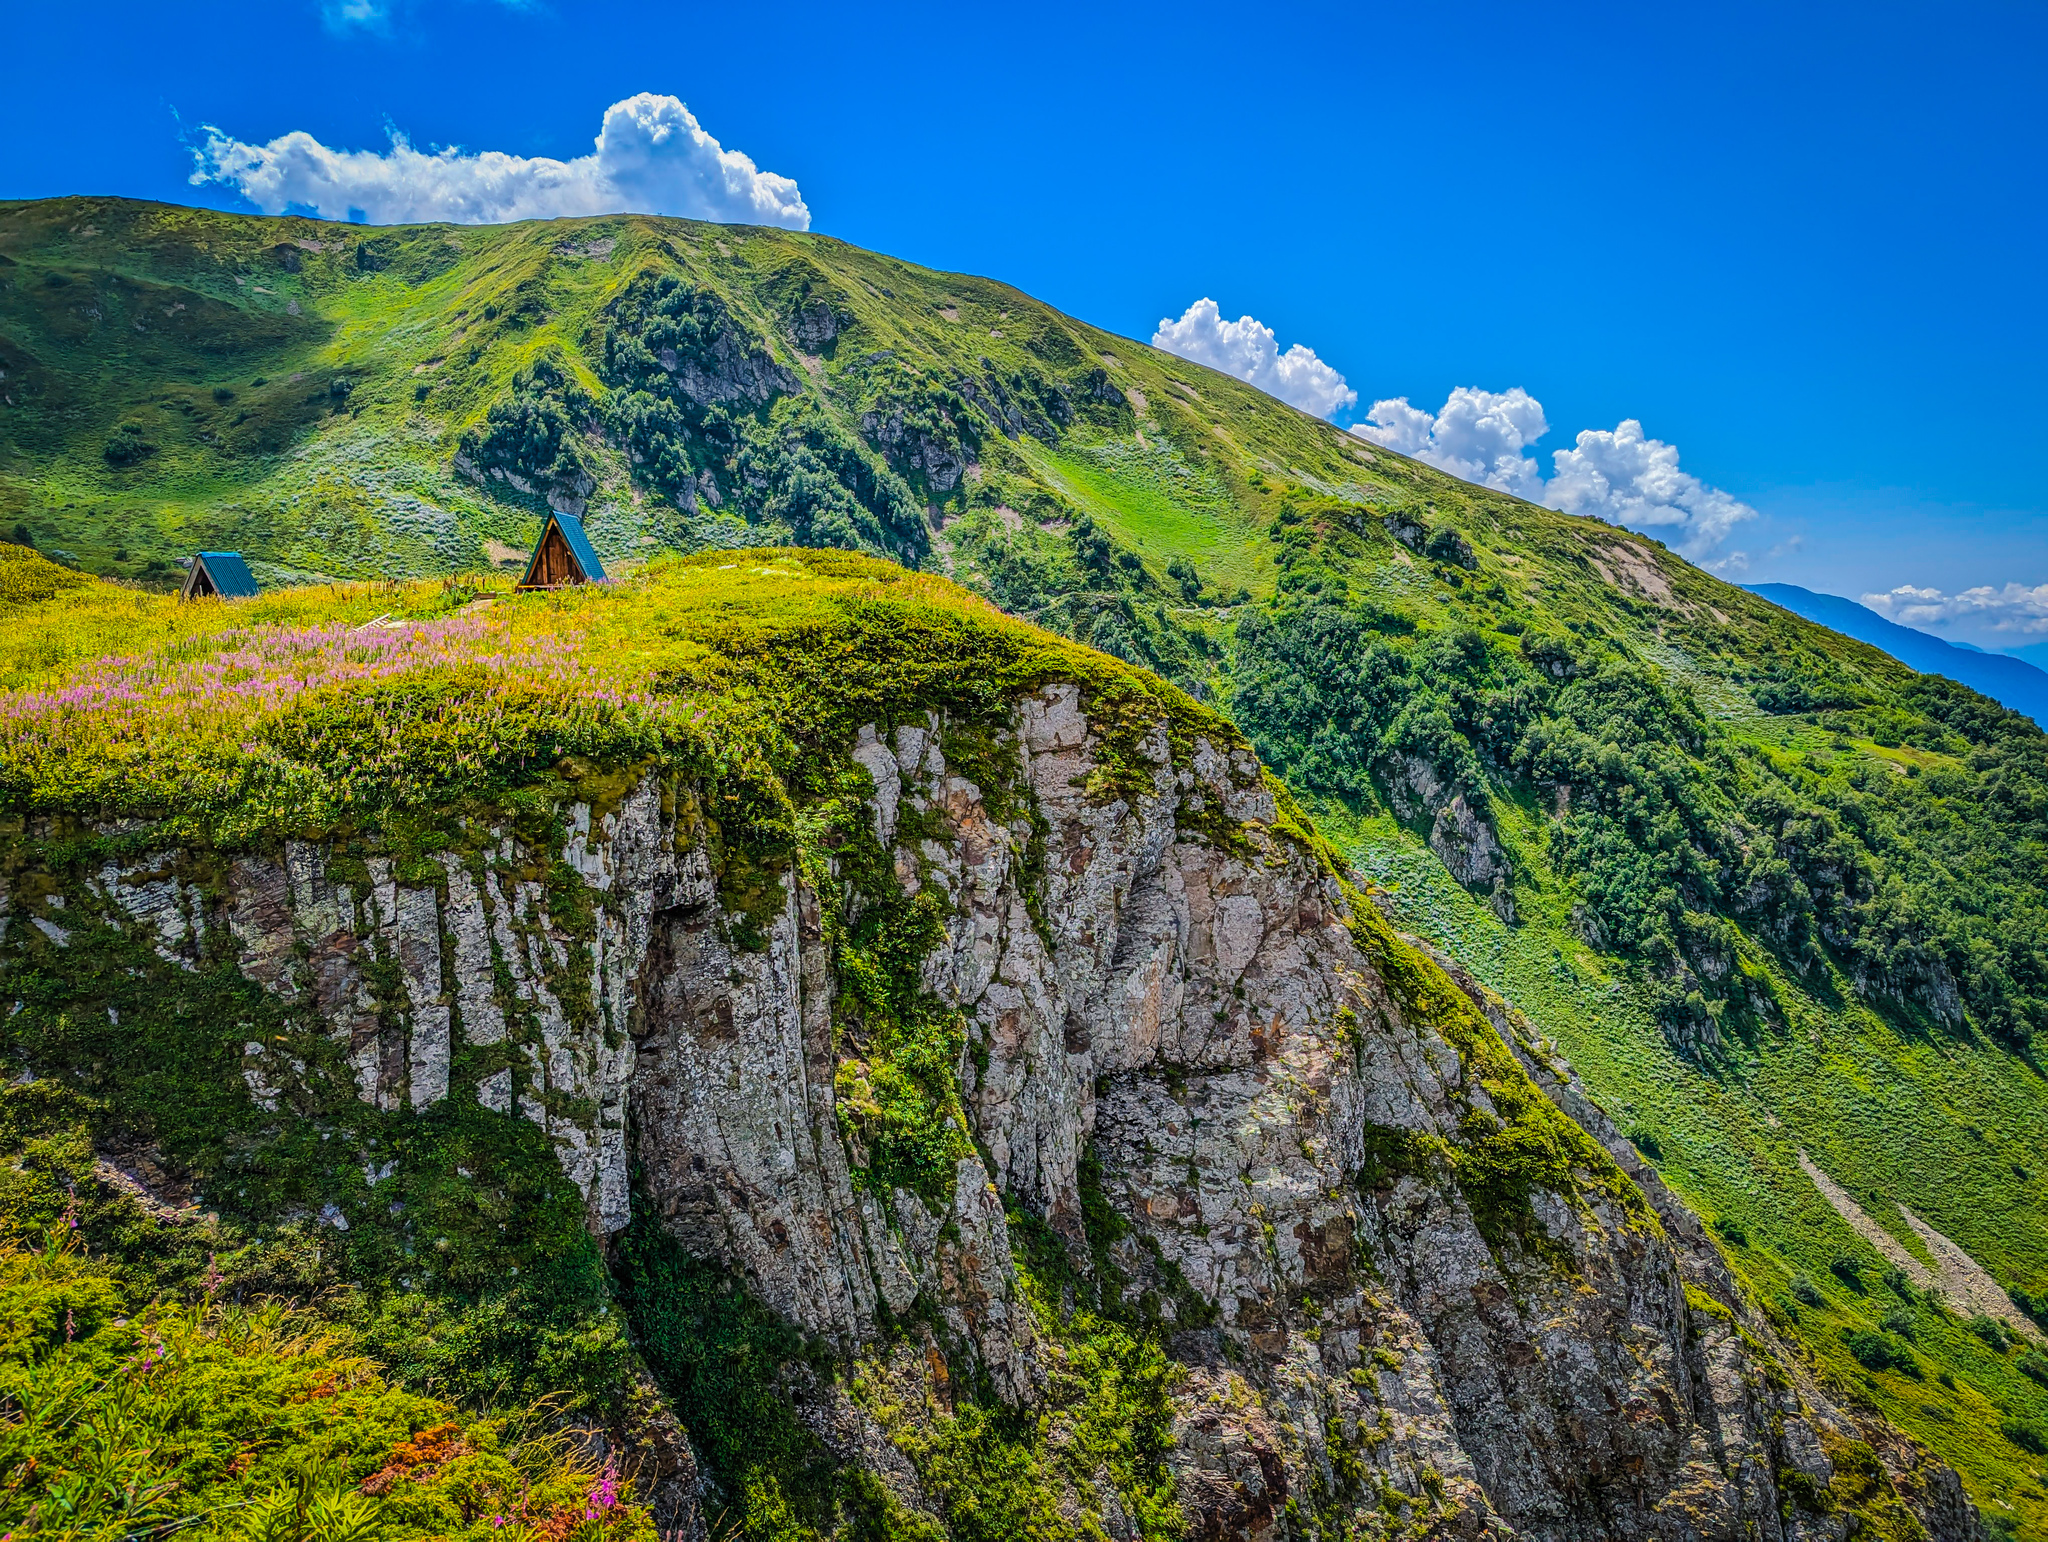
x=2001, y=676
x=2034, y=653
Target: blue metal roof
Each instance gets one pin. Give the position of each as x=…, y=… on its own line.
x=579, y=544
x=230, y=575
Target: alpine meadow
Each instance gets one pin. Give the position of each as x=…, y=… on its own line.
x=1065, y=950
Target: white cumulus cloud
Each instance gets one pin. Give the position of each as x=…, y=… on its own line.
x=1627, y=478
x=1479, y=436
x=651, y=157
x=1624, y=477
x=1248, y=349
x=2014, y=608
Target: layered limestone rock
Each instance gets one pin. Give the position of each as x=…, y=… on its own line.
x=1170, y=1009
x=1458, y=833
x=940, y=459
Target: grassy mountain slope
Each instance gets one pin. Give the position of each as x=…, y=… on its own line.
x=1778, y=897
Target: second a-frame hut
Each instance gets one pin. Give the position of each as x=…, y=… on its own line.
x=562, y=557
x=219, y=574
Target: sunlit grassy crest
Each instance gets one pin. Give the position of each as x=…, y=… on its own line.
x=330, y=703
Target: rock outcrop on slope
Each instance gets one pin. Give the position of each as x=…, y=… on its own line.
x=1413, y=1281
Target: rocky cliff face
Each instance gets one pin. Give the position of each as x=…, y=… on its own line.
x=1406, y=1268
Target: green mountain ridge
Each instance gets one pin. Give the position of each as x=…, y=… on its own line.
x=1778, y=898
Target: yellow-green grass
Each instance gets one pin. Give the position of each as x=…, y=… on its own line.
x=1154, y=514
x=312, y=705
x=139, y=1418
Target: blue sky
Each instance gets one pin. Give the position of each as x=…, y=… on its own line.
x=1801, y=244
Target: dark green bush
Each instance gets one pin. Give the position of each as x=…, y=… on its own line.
x=1992, y=1332
x=1803, y=1491
x=537, y=432
x=1879, y=1352
x=127, y=446
x=2025, y=1434
x=2035, y=1307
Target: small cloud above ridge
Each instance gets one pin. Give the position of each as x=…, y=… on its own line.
x=2014, y=608
x=356, y=15
x=1627, y=478
x=651, y=157
x=1623, y=477
x=1479, y=436
x=377, y=17
x=1248, y=349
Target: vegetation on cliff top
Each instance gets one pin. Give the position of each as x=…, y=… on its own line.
x=319, y=707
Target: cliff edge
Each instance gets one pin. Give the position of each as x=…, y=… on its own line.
x=953, y=1027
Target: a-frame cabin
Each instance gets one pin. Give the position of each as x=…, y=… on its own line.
x=563, y=556
x=219, y=575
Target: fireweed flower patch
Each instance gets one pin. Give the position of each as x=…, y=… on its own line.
x=315, y=708
x=297, y=726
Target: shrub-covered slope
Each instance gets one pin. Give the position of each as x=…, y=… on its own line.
x=1781, y=899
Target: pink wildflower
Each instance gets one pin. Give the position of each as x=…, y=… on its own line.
x=606, y=1495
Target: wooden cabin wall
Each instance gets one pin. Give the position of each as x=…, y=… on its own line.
x=555, y=564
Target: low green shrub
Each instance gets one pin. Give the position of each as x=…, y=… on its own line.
x=2035, y=1306
x=2026, y=1434
x=1992, y=1332
x=725, y=1361
x=1880, y=1352
x=1800, y=1490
